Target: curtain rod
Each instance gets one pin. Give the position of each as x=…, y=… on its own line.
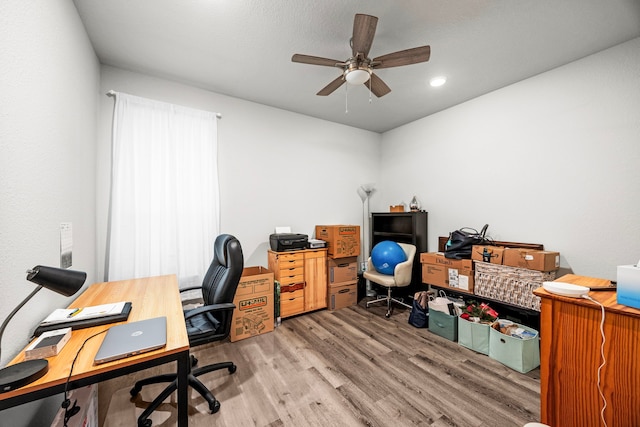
x=113, y=94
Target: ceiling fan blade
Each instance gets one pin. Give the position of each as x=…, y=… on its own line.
x=402, y=57
x=316, y=60
x=364, y=28
x=328, y=89
x=378, y=87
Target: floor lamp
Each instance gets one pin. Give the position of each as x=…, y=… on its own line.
x=365, y=192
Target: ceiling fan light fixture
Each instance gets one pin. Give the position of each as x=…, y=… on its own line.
x=357, y=76
x=438, y=81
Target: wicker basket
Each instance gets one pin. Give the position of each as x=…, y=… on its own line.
x=511, y=285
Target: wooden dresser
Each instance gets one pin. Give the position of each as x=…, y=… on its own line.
x=303, y=280
x=570, y=344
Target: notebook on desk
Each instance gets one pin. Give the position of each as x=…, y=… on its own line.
x=132, y=338
x=80, y=323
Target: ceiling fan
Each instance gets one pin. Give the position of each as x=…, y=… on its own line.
x=359, y=68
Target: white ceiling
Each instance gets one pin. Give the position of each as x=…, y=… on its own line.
x=243, y=48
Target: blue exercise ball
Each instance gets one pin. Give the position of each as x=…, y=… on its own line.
x=386, y=255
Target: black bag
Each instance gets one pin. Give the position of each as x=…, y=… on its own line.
x=419, y=316
x=461, y=242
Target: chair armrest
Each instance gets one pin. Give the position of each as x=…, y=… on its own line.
x=213, y=308
x=190, y=288
x=403, y=272
x=370, y=266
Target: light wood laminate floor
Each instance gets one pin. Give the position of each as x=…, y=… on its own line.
x=349, y=367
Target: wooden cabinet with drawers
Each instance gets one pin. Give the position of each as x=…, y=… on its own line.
x=303, y=280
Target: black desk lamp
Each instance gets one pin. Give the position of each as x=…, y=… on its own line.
x=62, y=281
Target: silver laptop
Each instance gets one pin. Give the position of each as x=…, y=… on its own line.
x=132, y=338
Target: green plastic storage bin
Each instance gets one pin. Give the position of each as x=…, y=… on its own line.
x=443, y=324
x=519, y=354
x=474, y=335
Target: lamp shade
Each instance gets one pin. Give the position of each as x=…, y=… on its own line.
x=60, y=280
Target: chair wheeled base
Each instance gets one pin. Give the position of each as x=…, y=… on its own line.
x=194, y=382
x=389, y=299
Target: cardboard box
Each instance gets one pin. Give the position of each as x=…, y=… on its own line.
x=456, y=274
x=438, y=258
x=342, y=240
x=254, y=300
x=628, y=278
x=342, y=270
x=531, y=259
x=343, y=295
x=486, y=253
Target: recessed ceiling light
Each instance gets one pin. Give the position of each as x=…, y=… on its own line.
x=438, y=81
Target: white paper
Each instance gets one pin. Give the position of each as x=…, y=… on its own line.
x=281, y=230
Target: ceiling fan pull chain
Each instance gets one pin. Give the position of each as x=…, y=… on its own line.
x=346, y=99
x=369, y=90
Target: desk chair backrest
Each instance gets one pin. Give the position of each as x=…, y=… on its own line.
x=222, y=278
x=218, y=287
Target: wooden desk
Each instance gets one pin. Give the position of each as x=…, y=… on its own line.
x=570, y=343
x=150, y=297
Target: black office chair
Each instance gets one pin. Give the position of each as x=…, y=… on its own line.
x=211, y=322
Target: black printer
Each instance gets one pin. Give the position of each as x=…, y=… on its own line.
x=281, y=242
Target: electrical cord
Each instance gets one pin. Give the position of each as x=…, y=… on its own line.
x=70, y=412
x=604, y=360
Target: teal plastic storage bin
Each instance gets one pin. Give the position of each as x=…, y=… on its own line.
x=519, y=354
x=474, y=335
x=443, y=324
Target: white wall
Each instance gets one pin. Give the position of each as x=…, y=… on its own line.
x=552, y=159
x=49, y=79
x=276, y=167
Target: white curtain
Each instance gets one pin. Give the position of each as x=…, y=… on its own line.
x=164, y=211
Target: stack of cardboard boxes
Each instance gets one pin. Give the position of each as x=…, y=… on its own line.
x=501, y=273
x=343, y=247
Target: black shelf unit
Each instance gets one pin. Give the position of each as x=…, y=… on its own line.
x=403, y=227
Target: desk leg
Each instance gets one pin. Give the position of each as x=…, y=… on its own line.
x=183, y=386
